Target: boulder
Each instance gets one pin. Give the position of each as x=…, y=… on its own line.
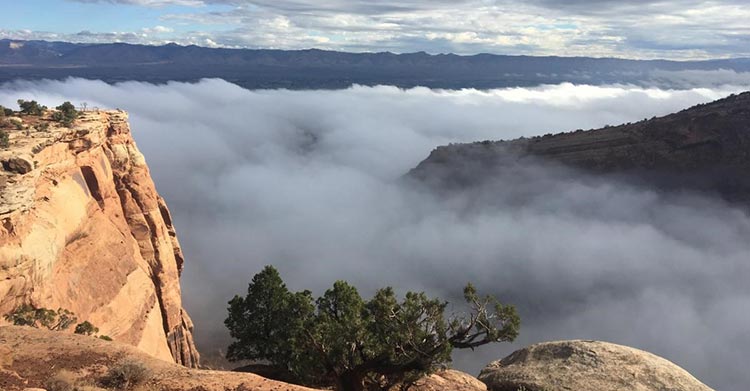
x=586, y=366
x=19, y=164
x=449, y=380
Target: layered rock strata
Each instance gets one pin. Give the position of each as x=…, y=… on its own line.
x=83, y=228
x=704, y=148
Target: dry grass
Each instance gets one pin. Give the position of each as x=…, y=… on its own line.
x=68, y=381
x=126, y=375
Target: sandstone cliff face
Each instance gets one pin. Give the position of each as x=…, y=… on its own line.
x=706, y=148
x=84, y=229
x=586, y=366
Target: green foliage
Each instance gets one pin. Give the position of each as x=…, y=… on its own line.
x=31, y=107
x=18, y=124
x=342, y=340
x=86, y=328
x=4, y=139
x=8, y=112
x=125, y=374
x=105, y=337
x=28, y=315
x=66, y=113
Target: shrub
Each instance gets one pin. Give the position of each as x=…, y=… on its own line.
x=66, y=114
x=105, y=337
x=4, y=139
x=5, y=112
x=86, y=328
x=61, y=381
x=18, y=124
x=126, y=374
x=29, y=315
x=31, y=107
x=67, y=381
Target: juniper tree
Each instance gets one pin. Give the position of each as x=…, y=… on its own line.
x=66, y=114
x=30, y=107
x=343, y=340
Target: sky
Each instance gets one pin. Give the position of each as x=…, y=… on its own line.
x=644, y=29
x=310, y=181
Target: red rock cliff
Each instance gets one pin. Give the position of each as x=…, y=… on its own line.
x=84, y=229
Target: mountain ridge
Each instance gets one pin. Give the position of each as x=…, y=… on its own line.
x=317, y=68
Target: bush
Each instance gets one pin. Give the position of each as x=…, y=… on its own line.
x=29, y=315
x=66, y=114
x=61, y=381
x=31, y=107
x=68, y=381
x=4, y=139
x=18, y=124
x=5, y=112
x=86, y=328
x=105, y=337
x=126, y=374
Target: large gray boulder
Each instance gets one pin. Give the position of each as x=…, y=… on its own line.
x=586, y=366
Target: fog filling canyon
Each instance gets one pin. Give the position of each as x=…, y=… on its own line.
x=310, y=181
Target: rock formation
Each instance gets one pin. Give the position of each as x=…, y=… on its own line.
x=705, y=148
x=586, y=366
x=449, y=380
x=84, y=229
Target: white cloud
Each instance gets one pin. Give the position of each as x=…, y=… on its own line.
x=309, y=181
x=643, y=29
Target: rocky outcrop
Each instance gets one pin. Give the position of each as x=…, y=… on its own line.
x=84, y=229
x=448, y=379
x=706, y=148
x=586, y=366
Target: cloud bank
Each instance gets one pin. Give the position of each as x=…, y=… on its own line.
x=309, y=181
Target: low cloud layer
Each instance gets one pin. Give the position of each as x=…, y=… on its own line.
x=309, y=181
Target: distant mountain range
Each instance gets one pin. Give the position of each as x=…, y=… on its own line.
x=308, y=69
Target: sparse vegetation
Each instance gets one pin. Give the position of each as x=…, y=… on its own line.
x=125, y=374
x=28, y=315
x=5, y=112
x=105, y=337
x=352, y=344
x=31, y=107
x=61, y=381
x=86, y=328
x=17, y=124
x=67, y=381
x=4, y=139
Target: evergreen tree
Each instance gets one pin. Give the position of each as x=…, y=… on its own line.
x=342, y=340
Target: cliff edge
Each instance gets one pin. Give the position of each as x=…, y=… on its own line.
x=83, y=228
